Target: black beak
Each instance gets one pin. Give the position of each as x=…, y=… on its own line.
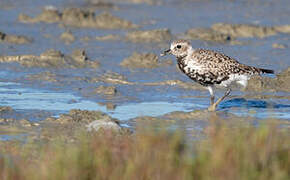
x=165, y=52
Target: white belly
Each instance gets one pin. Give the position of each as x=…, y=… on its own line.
x=236, y=78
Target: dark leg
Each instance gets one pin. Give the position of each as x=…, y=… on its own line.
x=214, y=105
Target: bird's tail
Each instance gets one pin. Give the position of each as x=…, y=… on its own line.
x=268, y=71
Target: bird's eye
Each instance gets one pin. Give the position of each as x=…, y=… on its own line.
x=178, y=46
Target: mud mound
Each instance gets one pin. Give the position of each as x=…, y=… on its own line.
x=106, y=90
x=113, y=78
x=225, y=33
x=53, y=59
x=67, y=37
x=150, y=2
x=67, y=125
x=266, y=84
x=143, y=60
x=15, y=39
x=78, y=18
x=156, y=35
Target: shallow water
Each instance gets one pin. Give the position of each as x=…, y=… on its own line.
x=28, y=96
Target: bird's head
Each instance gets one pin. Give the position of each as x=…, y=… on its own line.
x=178, y=48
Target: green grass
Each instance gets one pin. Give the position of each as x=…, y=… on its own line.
x=226, y=153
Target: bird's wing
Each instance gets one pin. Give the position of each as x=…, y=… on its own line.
x=217, y=66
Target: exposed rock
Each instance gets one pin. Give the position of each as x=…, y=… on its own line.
x=143, y=60
x=157, y=35
x=78, y=17
x=105, y=124
x=53, y=59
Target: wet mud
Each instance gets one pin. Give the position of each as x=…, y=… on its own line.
x=53, y=59
x=144, y=60
x=104, y=56
x=78, y=17
x=229, y=33
x=14, y=39
x=156, y=35
x=262, y=84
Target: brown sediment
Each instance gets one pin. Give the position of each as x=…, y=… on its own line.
x=43, y=76
x=67, y=125
x=67, y=37
x=228, y=33
x=279, y=46
x=264, y=84
x=4, y=109
x=144, y=60
x=78, y=17
x=53, y=59
x=106, y=90
x=150, y=2
x=14, y=39
x=181, y=84
x=113, y=78
x=156, y=35
x=110, y=37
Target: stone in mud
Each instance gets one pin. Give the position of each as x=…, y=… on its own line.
x=14, y=39
x=67, y=37
x=53, y=59
x=106, y=90
x=78, y=17
x=143, y=60
x=156, y=35
x=105, y=124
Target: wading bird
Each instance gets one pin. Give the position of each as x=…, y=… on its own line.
x=210, y=68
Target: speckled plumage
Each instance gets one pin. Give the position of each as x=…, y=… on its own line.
x=210, y=68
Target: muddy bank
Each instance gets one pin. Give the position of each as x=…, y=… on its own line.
x=266, y=84
x=67, y=37
x=144, y=60
x=78, y=17
x=53, y=59
x=228, y=33
x=150, y=2
x=181, y=84
x=156, y=35
x=14, y=39
x=67, y=125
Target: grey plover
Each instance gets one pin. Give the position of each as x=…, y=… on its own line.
x=210, y=68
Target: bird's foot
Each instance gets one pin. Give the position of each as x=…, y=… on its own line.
x=213, y=106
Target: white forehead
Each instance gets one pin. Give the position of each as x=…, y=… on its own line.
x=182, y=43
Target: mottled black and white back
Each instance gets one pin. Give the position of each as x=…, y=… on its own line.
x=210, y=68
